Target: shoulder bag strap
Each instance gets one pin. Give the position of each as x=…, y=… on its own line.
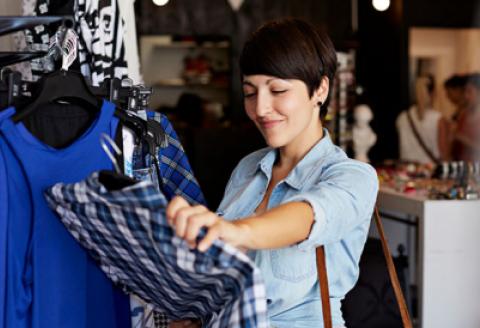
x=323, y=280
x=420, y=140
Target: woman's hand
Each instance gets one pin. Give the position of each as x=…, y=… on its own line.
x=187, y=221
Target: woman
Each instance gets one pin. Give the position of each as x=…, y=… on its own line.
x=455, y=91
x=418, y=126
x=466, y=143
x=300, y=192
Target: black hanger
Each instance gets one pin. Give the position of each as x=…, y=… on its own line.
x=115, y=181
x=70, y=86
x=62, y=85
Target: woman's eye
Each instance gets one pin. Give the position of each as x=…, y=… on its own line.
x=279, y=91
x=248, y=94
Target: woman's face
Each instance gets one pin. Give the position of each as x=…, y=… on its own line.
x=455, y=95
x=282, y=109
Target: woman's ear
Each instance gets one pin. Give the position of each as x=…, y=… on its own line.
x=321, y=93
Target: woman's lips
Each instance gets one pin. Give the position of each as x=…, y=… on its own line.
x=269, y=124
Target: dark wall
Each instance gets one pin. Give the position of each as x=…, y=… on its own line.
x=443, y=13
x=382, y=69
x=201, y=17
x=382, y=40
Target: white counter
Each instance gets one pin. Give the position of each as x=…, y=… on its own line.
x=448, y=257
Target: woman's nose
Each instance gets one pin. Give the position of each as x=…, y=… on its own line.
x=263, y=105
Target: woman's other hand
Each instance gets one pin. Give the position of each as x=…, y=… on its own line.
x=188, y=220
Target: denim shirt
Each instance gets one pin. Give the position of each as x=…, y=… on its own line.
x=342, y=194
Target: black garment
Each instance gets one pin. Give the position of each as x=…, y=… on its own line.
x=59, y=125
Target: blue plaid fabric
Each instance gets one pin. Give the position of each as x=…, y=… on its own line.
x=176, y=179
x=176, y=173
x=127, y=234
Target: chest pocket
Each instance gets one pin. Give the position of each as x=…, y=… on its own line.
x=293, y=265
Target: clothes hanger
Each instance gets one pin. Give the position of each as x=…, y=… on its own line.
x=61, y=86
x=70, y=86
x=113, y=180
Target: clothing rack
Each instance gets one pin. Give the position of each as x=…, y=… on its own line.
x=11, y=24
x=121, y=92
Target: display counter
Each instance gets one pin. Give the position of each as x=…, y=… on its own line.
x=448, y=263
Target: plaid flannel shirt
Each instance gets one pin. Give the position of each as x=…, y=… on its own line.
x=126, y=232
x=176, y=178
x=176, y=173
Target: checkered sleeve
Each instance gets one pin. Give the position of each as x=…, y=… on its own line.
x=126, y=232
x=177, y=174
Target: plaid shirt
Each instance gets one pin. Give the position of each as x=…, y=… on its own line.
x=177, y=176
x=176, y=179
x=127, y=234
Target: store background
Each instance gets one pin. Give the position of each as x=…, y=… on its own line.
x=380, y=41
x=386, y=45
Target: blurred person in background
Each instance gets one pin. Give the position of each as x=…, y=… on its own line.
x=417, y=127
x=455, y=91
x=466, y=140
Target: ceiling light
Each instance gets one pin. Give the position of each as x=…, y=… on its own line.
x=381, y=5
x=160, y=2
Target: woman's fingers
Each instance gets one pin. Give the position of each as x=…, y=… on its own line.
x=183, y=218
x=198, y=221
x=188, y=220
x=174, y=206
x=212, y=235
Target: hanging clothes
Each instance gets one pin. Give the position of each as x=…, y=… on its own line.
x=176, y=173
x=101, y=40
x=51, y=281
x=17, y=269
x=38, y=39
x=58, y=125
x=177, y=178
x=127, y=12
x=101, y=43
x=3, y=228
x=124, y=228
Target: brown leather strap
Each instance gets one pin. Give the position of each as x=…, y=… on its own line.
x=323, y=280
x=407, y=323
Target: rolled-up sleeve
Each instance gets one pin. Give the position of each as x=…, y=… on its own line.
x=342, y=200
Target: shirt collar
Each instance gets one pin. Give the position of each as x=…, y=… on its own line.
x=303, y=170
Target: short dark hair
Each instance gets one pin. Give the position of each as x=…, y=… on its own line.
x=291, y=48
x=474, y=80
x=455, y=81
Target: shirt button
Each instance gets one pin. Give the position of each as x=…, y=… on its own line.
x=269, y=301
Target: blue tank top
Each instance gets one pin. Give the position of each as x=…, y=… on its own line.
x=54, y=282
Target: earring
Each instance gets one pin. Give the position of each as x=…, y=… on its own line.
x=320, y=104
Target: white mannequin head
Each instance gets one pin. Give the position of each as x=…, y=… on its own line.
x=362, y=115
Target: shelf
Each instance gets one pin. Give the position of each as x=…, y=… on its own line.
x=166, y=42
